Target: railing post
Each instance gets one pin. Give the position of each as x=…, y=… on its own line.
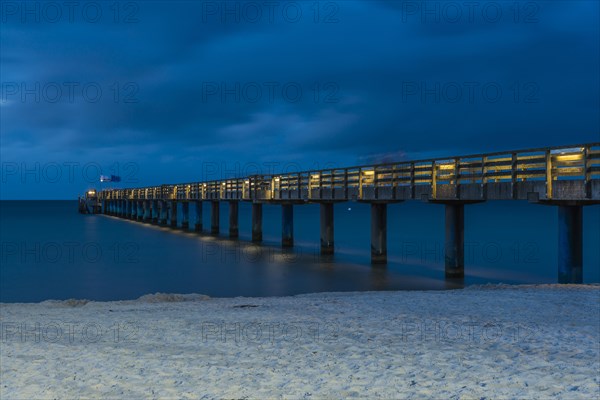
x=412, y=180
x=433, y=180
x=483, y=178
x=394, y=181
x=549, y=174
x=346, y=183
x=587, y=173
x=513, y=176
x=457, y=178
x=375, y=184
x=360, y=183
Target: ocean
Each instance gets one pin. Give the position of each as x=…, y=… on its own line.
x=50, y=251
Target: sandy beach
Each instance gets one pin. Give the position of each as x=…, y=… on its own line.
x=490, y=342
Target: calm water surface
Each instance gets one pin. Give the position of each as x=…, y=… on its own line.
x=49, y=251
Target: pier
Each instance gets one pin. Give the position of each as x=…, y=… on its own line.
x=566, y=177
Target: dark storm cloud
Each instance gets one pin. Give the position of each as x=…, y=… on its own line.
x=366, y=76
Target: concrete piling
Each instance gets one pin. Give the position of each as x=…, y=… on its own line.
x=287, y=225
x=378, y=233
x=570, y=244
x=454, y=246
x=256, y=222
x=326, y=228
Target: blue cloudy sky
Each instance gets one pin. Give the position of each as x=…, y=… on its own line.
x=165, y=92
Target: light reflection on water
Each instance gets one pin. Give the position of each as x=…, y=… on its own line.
x=49, y=251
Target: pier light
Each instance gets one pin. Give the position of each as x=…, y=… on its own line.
x=569, y=157
x=277, y=179
x=446, y=166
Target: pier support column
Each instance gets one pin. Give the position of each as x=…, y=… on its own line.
x=155, y=213
x=198, y=224
x=233, y=219
x=147, y=212
x=326, y=228
x=257, y=222
x=378, y=233
x=140, y=210
x=570, y=244
x=214, y=218
x=131, y=209
x=185, y=216
x=287, y=225
x=455, y=243
x=163, y=213
x=173, y=221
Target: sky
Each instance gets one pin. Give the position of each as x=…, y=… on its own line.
x=181, y=91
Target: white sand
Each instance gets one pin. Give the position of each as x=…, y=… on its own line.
x=488, y=342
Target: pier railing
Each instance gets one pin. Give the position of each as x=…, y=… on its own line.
x=553, y=173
